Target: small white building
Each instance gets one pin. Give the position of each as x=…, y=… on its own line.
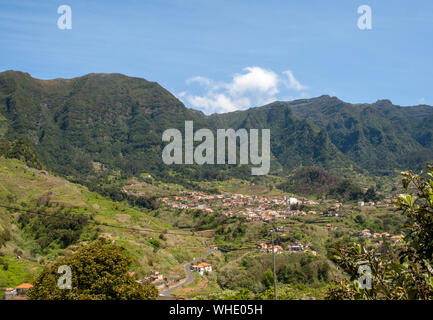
x=202, y=268
x=361, y=203
x=10, y=293
x=291, y=201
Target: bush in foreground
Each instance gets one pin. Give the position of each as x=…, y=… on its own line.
x=99, y=272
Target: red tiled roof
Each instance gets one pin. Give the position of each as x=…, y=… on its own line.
x=24, y=286
x=203, y=264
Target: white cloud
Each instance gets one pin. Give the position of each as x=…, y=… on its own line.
x=255, y=79
x=200, y=80
x=254, y=87
x=293, y=83
x=217, y=102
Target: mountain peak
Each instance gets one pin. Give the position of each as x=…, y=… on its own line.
x=383, y=102
x=15, y=73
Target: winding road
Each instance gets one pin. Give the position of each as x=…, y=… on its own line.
x=166, y=293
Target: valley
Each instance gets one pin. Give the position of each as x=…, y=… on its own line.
x=81, y=166
x=165, y=241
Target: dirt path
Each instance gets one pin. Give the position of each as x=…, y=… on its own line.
x=166, y=293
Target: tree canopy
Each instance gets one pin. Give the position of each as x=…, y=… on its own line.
x=402, y=271
x=99, y=272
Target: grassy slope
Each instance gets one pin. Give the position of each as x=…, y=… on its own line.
x=21, y=187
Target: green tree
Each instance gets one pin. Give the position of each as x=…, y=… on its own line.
x=371, y=195
x=99, y=272
x=405, y=272
x=268, y=278
x=241, y=294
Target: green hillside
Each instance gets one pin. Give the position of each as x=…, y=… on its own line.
x=378, y=137
x=310, y=181
x=44, y=217
x=113, y=119
x=21, y=149
x=117, y=122
x=294, y=142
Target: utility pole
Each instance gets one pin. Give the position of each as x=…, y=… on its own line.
x=273, y=256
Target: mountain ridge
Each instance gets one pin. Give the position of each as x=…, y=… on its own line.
x=118, y=120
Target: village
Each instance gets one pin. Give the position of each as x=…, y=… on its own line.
x=295, y=247
x=266, y=209
x=273, y=209
x=366, y=234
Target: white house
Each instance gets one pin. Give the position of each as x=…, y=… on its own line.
x=291, y=201
x=10, y=293
x=202, y=268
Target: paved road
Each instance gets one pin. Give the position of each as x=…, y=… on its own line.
x=190, y=276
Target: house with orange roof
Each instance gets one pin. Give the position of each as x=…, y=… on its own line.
x=364, y=234
x=276, y=249
x=201, y=268
x=396, y=238
x=23, y=288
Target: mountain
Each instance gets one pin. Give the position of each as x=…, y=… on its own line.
x=112, y=119
x=117, y=121
x=378, y=136
x=294, y=141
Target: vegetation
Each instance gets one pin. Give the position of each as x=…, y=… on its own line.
x=309, y=181
x=253, y=272
x=346, y=190
x=60, y=227
x=400, y=273
x=21, y=149
x=379, y=137
x=47, y=218
x=99, y=272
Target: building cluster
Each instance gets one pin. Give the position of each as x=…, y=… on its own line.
x=17, y=293
x=263, y=208
x=385, y=203
x=366, y=234
x=253, y=208
x=294, y=247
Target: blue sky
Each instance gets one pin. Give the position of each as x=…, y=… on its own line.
x=219, y=55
